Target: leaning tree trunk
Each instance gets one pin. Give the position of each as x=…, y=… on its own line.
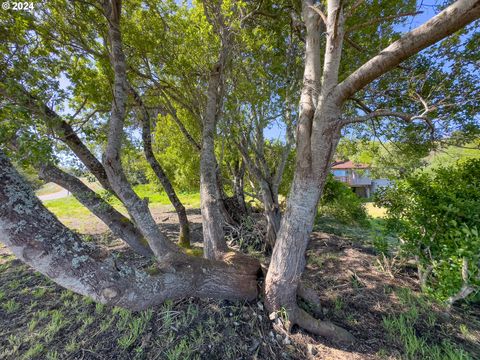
x=120, y=225
x=184, y=235
x=36, y=237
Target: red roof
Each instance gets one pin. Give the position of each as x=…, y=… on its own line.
x=349, y=165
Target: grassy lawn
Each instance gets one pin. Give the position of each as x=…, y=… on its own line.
x=73, y=214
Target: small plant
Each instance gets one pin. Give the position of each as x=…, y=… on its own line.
x=338, y=304
x=57, y=322
x=39, y=292
x=106, y=324
x=72, y=346
x=32, y=324
x=135, y=328
x=99, y=307
x=181, y=351
x=14, y=341
x=34, y=351
x=52, y=355
x=14, y=284
x=283, y=314
x=11, y=306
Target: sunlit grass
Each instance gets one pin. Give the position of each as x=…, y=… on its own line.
x=374, y=211
x=69, y=208
x=157, y=196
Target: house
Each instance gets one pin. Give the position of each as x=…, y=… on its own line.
x=358, y=177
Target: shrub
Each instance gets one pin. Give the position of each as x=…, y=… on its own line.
x=437, y=218
x=341, y=203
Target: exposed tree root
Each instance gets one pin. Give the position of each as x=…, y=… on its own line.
x=243, y=263
x=326, y=329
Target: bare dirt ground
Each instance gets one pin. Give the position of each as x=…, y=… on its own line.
x=39, y=320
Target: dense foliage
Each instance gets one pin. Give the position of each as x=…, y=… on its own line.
x=437, y=217
x=342, y=204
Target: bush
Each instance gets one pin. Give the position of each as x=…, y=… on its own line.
x=437, y=218
x=341, y=203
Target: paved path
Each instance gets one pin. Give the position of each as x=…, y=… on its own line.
x=56, y=195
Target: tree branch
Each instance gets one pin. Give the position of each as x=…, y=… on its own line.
x=450, y=20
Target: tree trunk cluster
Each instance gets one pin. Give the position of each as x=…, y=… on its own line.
x=36, y=237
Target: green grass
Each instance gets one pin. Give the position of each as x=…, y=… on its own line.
x=157, y=196
x=402, y=330
x=70, y=208
x=10, y=306
x=67, y=207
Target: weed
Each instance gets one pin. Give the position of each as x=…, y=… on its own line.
x=11, y=306
x=52, y=355
x=56, y=323
x=99, y=308
x=32, y=324
x=401, y=329
x=72, y=346
x=14, y=284
x=338, y=306
x=39, y=292
x=181, y=351
x=34, y=351
x=135, y=328
x=15, y=342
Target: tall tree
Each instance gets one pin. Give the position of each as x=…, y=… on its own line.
x=320, y=122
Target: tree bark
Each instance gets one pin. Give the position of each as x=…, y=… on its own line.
x=210, y=197
x=136, y=207
x=120, y=225
x=238, y=185
x=271, y=210
x=288, y=258
x=184, y=235
x=36, y=237
x=318, y=117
